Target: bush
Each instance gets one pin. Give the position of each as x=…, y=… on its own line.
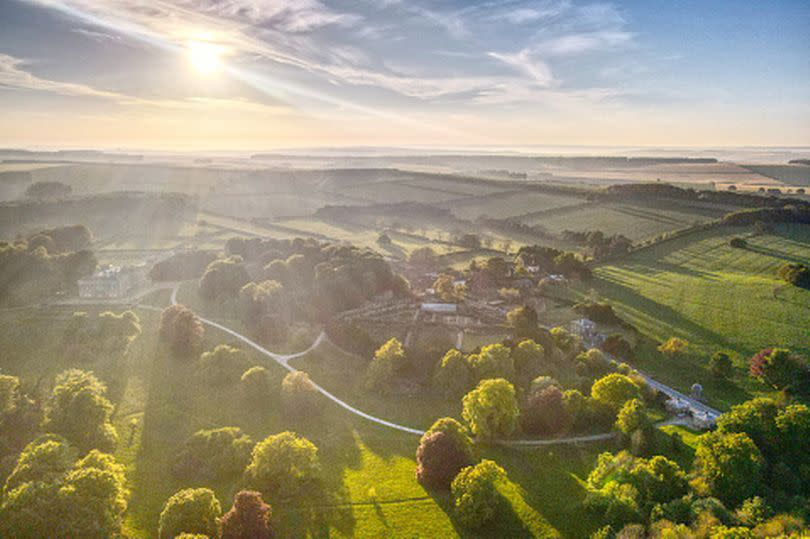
x=491, y=409
x=191, y=510
x=673, y=347
x=249, y=518
x=299, y=395
x=283, y=466
x=475, y=495
x=213, y=454
x=738, y=243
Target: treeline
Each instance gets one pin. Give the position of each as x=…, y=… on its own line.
x=786, y=214
x=551, y=260
x=613, y=161
x=664, y=190
x=601, y=244
x=48, y=262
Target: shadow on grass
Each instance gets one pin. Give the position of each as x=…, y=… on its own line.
x=773, y=253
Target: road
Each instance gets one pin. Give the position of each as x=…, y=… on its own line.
x=284, y=359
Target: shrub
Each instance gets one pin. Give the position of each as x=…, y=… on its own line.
x=249, y=518
x=673, y=347
x=298, y=394
x=738, y=243
x=475, y=495
x=213, y=454
x=283, y=465
x=191, y=510
x=491, y=409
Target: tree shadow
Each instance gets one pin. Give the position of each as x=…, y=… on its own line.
x=773, y=253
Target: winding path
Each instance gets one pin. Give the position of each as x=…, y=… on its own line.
x=283, y=360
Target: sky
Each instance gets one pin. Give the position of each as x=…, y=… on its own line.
x=248, y=75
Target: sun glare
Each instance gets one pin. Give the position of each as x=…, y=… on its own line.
x=205, y=57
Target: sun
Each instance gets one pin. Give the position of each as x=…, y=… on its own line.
x=205, y=57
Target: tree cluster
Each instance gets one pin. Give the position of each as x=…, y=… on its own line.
x=182, y=330
x=213, y=455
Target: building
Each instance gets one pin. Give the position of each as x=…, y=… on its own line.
x=439, y=308
x=112, y=282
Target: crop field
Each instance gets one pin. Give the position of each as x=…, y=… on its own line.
x=716, y=297
x=798, y=175
x=369, y=472
x=398, y=191
x=636, y=221
x=509, y=204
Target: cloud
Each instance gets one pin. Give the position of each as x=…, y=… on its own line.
x=539, y=71
x=288, y=16
x=100, y=37
x=12, y=77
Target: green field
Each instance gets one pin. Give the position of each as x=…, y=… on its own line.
x=699, y=288
x=369, y=471
x=636, y=221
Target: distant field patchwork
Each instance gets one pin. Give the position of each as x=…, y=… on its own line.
x=511, y=204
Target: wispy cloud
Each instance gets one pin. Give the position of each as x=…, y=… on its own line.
x=13, y=77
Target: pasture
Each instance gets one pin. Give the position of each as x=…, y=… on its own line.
x=370, y=488
x=717, y=297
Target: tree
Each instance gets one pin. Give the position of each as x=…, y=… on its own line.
x=673, y=347
x=452, y=374
x=182, y=329
x=223, y=365
x=475, y=494
x=614, y=390
x=720, y=365
x=249, y=518
x=299, y=395
x=778, y=368
x=389, y=360
x=545, y=412
x=78, y=409
x=727, y=466
x=50, y=494
x=443, y=451
x=283, y=466
x=423, y=257
x=523, y=321
x=9, y=393
x=738, y=243
x=446, y=289
x=633, y=417
x=493, y=361
x=491, y=409
x=528, y=357
x=256, y=383
x=191, y=510
x=277, y=271
x=213, y=454
x=223, y=278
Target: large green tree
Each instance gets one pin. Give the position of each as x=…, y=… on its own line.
x=191, y=510
x=475, y=493
x=728, y=467
x=491, y=409
x=283, y=466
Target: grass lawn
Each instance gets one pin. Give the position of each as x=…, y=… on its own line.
x=369, y=471
x=700, y=289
